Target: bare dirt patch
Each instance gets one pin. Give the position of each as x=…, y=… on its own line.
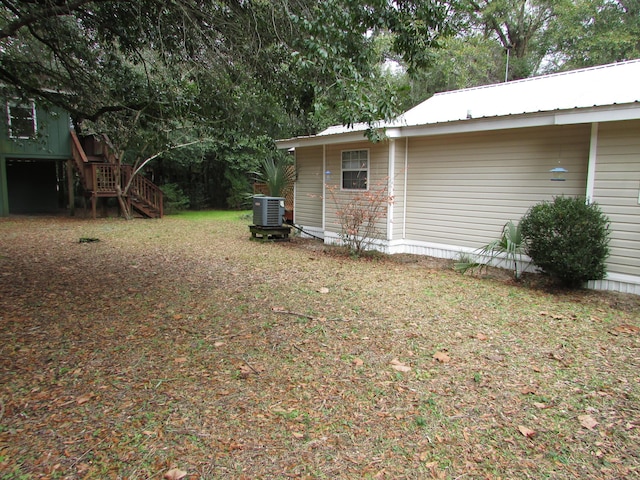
x=181, y=344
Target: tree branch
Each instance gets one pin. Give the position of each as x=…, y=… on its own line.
x=147, y=160
x=47, y=12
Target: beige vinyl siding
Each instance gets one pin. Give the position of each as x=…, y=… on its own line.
x=378, y=178
x=616, y=190
x=308, y=190
x=463, y=188
x=399, y=189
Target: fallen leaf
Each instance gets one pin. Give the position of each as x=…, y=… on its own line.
x=175, y=474
x=587, y=421
x=442, y=357
x=180, y=360
x=297, y=434
x=358, y=362
x=540, y=405
x=84, y=398
x=218, y=344
x=625, y=328
x=527, y=432
x=528, y=390
x=399, y=366
x=481, y=336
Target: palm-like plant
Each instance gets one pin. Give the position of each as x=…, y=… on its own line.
x=278, y=175
x=510, y=246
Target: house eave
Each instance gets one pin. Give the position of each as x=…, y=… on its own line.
x=316, y=140
x=609, y=113
x=596, y=114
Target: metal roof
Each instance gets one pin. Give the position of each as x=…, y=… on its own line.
x=573, y=91
x=611, y=84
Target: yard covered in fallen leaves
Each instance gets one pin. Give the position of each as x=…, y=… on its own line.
x=179, y=348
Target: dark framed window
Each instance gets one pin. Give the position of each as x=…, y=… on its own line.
x=355, y=169
x=21, y=118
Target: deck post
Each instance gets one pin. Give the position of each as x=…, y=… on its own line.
x=71, y=193
x=94, y=201
x=4, y=195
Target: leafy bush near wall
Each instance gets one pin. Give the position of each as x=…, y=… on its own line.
x=567, y=239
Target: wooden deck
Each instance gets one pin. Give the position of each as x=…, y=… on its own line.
x=275, y=234
x=102, y=175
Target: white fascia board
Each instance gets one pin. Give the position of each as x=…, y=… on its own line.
x=592, y=115
x=322, y=140
x=470, y=126
x=611, y=113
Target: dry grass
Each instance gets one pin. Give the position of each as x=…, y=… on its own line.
x=181, y=343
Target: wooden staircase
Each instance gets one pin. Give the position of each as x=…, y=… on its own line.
x=102, y=175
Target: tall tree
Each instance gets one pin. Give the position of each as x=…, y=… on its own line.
x=594, y=32
x=517, y=25
x=155, y=74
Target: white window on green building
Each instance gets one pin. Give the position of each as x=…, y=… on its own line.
x=21, y=118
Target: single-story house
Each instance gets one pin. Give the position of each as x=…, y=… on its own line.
x=463, y=163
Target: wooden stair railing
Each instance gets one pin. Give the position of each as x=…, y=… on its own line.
x=100, y=180
x=144, y=195
x=80, y=159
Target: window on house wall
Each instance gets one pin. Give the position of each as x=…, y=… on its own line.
x=21, y=118
x=355, y=169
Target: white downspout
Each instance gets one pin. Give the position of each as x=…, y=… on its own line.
x=391, y=187
x=324, y=189
x=593, y=157
x=404, y=199
x=295, y=184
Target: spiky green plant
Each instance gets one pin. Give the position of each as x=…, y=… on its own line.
x=278, y=175
x=509, y=246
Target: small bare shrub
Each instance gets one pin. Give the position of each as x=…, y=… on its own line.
x=361, y=214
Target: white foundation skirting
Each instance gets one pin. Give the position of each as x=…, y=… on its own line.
x=613, y=282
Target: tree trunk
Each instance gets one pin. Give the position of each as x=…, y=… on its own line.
x=124, y=206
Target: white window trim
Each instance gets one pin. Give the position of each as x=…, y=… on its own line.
x=34, y=121
x=368, y=170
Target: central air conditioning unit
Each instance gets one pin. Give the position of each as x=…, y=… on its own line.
x=268, y=211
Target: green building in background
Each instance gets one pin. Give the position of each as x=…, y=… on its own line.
x=35, y=145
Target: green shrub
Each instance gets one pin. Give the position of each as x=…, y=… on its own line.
x=175, y=199
x=567, y=239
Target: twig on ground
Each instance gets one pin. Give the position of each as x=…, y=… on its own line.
x=249, y=365
x=308, y=317
x=86, y=453
x=231, y=335
x=287, y=312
